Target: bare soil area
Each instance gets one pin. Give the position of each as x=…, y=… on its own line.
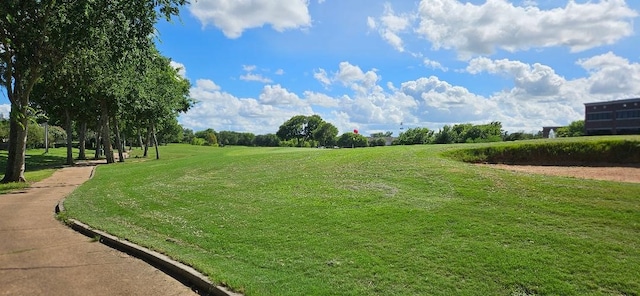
x=619, y=174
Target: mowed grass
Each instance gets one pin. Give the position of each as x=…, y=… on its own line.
x=39, y=165
x=399, y=220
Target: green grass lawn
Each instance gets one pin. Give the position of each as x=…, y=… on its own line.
x=399, y=220
x=39, y=165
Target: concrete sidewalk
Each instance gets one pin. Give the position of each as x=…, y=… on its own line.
x=41, y=256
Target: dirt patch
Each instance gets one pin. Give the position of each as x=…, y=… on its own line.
x=618, y=174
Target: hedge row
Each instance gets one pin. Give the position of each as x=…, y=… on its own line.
x=592, y=153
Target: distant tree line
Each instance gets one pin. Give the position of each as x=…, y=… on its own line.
x=313, y=131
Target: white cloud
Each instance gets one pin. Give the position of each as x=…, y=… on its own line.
x=442, y=102
x=611, y=74
x=434, y=65
x=233, y=17
x=322, y=77
x=480, y=29
x=371, y=23
x=250, y=76
x=539, y=97
x=223, y=111
x=537, y=80
x=279, y=72
x=390, y=25
x=182, y=70
x=255, y=77
x=206, y=85
x=249, y=68
x=320, y=99
x=276, y=95
x=353, y=77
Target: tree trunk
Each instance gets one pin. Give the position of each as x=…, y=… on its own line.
x=46, y=138
x=155, y=140
x=98, y=143
x=140, y=139
x=98, y=140
x=106, y=133
x=82, y=138
x=68, y=129
x=146, y=147
x=118, y=140
x=18, y=125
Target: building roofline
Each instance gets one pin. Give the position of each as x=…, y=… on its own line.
x=613, y=102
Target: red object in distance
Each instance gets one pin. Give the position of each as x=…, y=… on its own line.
x=355, y=131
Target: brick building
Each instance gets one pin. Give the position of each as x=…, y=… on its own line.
x=612, y=118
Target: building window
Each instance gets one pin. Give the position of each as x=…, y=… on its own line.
x=628, y=114
x=599, y=116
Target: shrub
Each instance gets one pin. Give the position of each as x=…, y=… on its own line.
x=198, y=141
x=624, y=152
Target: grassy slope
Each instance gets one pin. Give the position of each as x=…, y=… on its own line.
x=386, y=220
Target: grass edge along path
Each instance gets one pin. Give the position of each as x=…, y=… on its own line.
x=386, y=220
x=39, y=166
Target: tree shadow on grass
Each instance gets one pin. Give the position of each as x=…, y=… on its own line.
x=34, y=161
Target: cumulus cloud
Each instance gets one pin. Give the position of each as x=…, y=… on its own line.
x=206, y=85
x=539, y=97
x=358, y=80
x=320, y=99
x=234, y=17
x=223, y=111
x=480, y=29
x=537, y=80
x=610, y=73
x=277, y=95
x=350, y=76
x=439, y=101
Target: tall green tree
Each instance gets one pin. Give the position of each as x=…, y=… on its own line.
x=326, y=134
x=294, y=128
x=35, y=35
x=352, y=140
x=415, y=136
x=574, y=129
x=159, y=97
x=209, y=136
x=382, y=135
x=301, y=127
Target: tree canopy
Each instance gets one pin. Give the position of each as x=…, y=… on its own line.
x=38, y=37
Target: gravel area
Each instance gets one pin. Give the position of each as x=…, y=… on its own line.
x=619, y=174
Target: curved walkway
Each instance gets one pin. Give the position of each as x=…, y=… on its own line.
x=41, y=256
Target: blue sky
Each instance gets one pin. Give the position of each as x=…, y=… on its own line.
x=372, y=65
